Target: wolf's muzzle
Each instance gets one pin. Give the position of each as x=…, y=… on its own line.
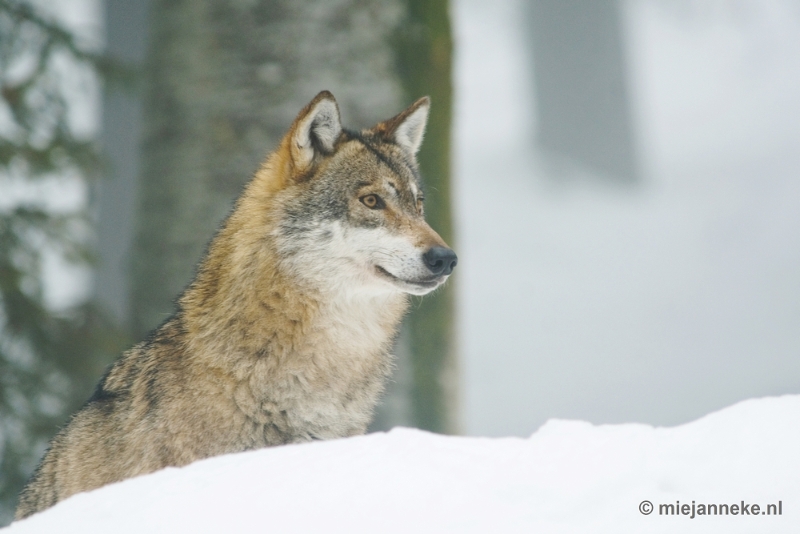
x=440, y=260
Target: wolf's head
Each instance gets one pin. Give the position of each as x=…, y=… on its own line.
x=351, y=204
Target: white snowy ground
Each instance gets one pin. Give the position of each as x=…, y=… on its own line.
x=570, y=476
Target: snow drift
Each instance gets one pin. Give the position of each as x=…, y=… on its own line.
x=570, y=476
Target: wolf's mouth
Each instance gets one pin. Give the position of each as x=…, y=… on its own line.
x=421, y=283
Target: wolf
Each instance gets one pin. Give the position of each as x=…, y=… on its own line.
x=284, y=334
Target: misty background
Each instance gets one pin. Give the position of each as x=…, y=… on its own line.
x=653, y=296
x=618, y=178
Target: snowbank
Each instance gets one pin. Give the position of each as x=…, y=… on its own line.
x=569, y=476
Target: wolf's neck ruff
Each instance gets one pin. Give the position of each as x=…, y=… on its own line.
x=284, y=334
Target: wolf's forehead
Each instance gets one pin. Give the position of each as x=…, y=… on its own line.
x=389, y=164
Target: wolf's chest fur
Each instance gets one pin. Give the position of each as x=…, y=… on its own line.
x=324, y=382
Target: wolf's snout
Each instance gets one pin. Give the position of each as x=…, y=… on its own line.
x=440, y=260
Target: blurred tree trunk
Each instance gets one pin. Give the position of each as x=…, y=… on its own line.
x=126, y=40
x=581, y=85
x=223, y=81
x=424, y=52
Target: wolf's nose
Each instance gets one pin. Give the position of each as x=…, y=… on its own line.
x=440, y=260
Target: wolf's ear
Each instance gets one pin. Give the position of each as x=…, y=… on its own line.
x=315, y=130
x=407, y=128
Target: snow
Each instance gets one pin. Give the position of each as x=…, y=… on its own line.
x=570, y=476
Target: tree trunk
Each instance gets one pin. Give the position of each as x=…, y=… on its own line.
x=223, y=82
x=581, y=87
x=424, y=63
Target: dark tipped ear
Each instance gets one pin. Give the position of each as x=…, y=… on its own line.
x=315, y=130
x=408, y=128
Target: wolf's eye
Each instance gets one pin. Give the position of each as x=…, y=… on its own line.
x=373, y=202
